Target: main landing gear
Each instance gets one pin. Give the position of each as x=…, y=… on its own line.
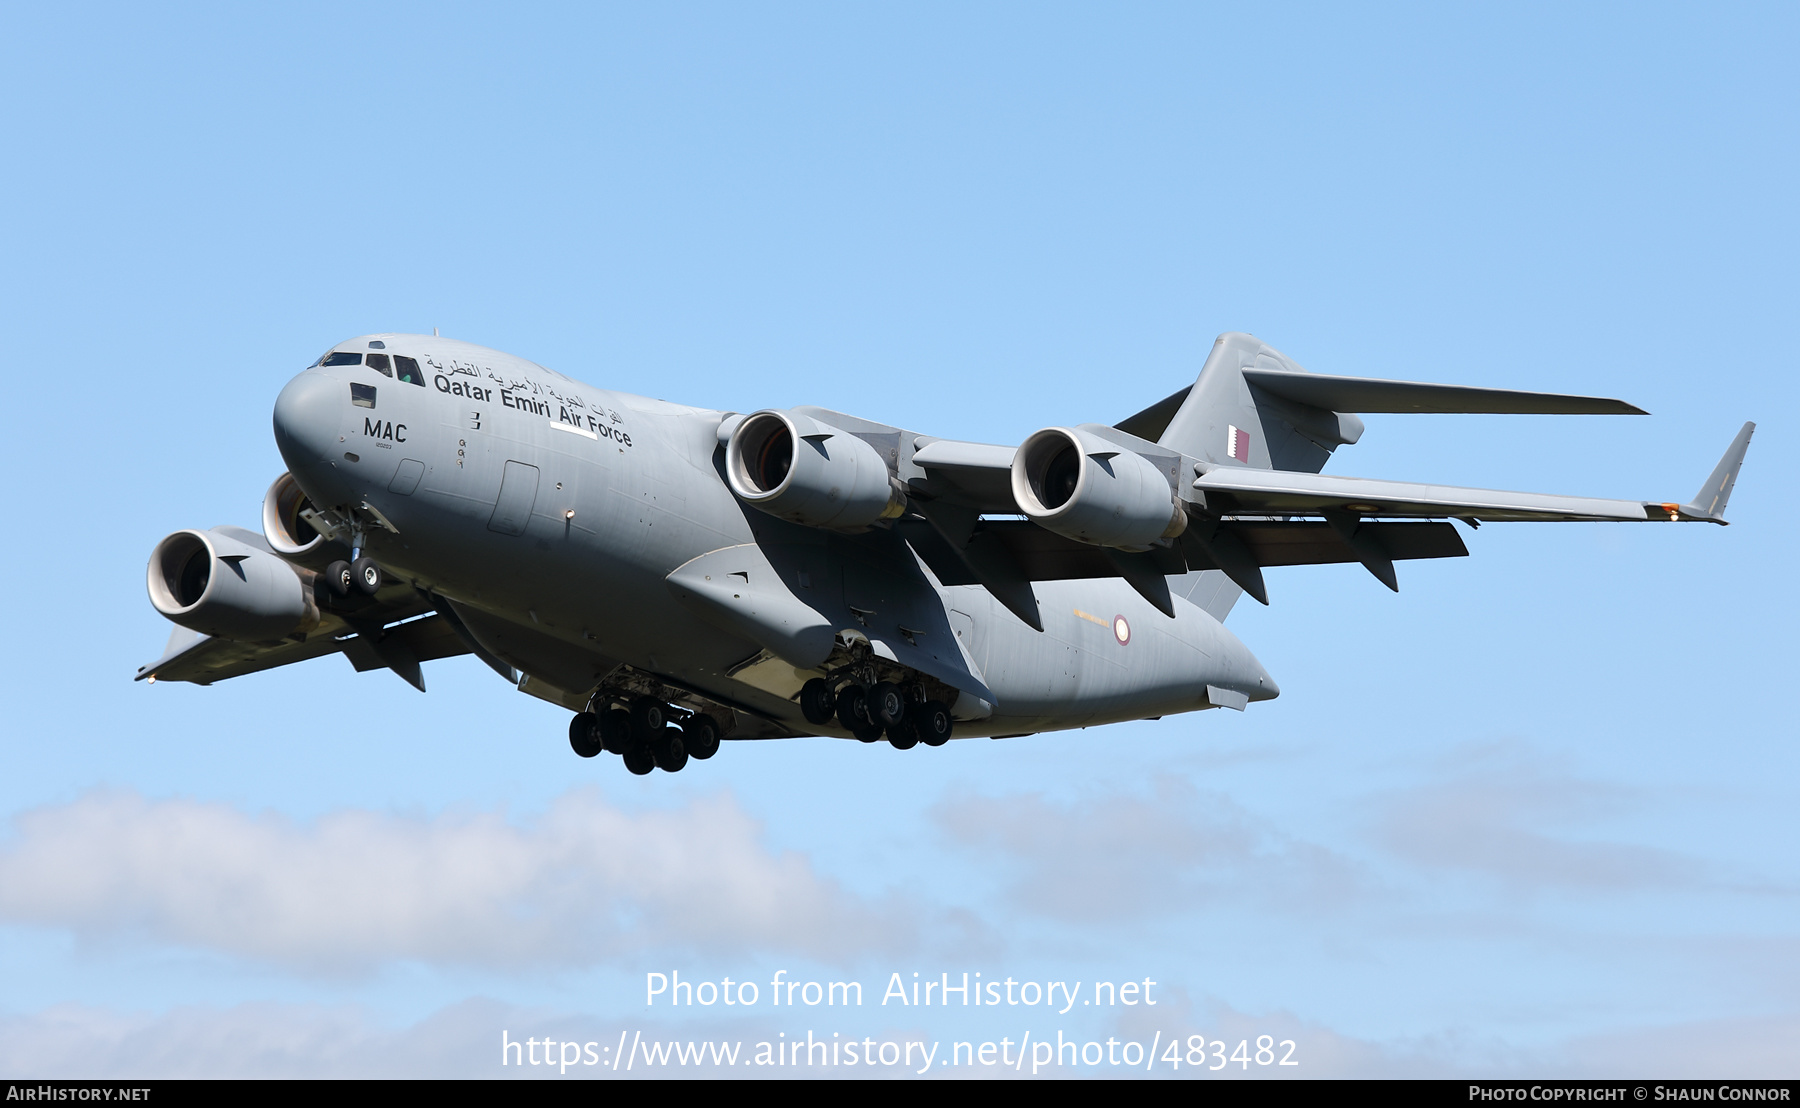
x=869, y=711
x=644, y=735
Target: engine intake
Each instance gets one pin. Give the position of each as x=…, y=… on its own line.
x=287, y=531
x=799, y=469
x=218, y=585
x=1085, y=488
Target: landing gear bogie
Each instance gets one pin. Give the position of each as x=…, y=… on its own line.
x=645, y=735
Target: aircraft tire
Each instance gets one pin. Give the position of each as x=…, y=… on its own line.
x=648, y=718
x=700, y=734
x=366, y=575
x=902, y=735
x=584, y=737
x=337, y=578
x=669, y=752
x=932, y=722
x=615, y=730
x=887, y=704
x=853, y=714
x=639, y=760
x=852, y=703
x=817, y=702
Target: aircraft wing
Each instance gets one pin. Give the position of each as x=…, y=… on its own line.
x=971, y=474
x=1039, y=555
x=1240, y=520
x=397, y=631
x=203, y=659
x=1235, y=491
x=1238, y=492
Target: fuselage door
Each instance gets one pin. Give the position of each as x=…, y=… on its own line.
x=518, y=492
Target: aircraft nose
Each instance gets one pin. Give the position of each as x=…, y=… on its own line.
x=1262, y=686
x=307, y=414
x=1233, y=667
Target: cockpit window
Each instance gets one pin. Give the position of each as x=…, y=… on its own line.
x=378, y=363
x=407, y=369
x=363, y=396
x=342, y=357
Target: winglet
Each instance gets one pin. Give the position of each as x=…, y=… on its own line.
x=1709, y=502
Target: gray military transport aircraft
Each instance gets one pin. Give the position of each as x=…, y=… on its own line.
x=676, y=576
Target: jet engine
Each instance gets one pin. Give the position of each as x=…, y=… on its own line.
x=287, y=531
x=210, y=582
x=1085, y=488
x=798, y=469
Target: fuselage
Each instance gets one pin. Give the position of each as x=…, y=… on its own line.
x=551, y=513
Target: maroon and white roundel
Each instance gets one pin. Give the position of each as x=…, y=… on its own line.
x=1121, y=630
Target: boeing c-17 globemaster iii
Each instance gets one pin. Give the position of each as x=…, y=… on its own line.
x=674, y=576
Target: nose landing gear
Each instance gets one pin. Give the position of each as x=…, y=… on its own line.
x=361, y=573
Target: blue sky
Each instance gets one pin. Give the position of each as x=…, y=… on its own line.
x=1531, y=815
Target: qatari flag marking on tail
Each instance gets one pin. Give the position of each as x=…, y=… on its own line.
x=1239, y=443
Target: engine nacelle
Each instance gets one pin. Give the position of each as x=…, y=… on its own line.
x=1085, y=488
x=288, y=533
x=215, y=584
x=798, y=469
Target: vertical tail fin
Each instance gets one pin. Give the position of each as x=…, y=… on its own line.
x=1253, y=407
x=1225, y=420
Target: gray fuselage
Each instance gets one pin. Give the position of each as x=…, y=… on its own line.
x=552, y=513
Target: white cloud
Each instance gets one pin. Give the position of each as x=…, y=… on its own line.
x=246, y=1040
x=1115, y=856
x=462, y=1040
x=267, y=1039
x=1740, y=1049
x=1493, y=811
x=356, y=888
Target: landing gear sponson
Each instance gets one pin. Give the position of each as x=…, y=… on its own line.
x=644, y=734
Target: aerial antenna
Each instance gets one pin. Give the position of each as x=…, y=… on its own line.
x=434, y=333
